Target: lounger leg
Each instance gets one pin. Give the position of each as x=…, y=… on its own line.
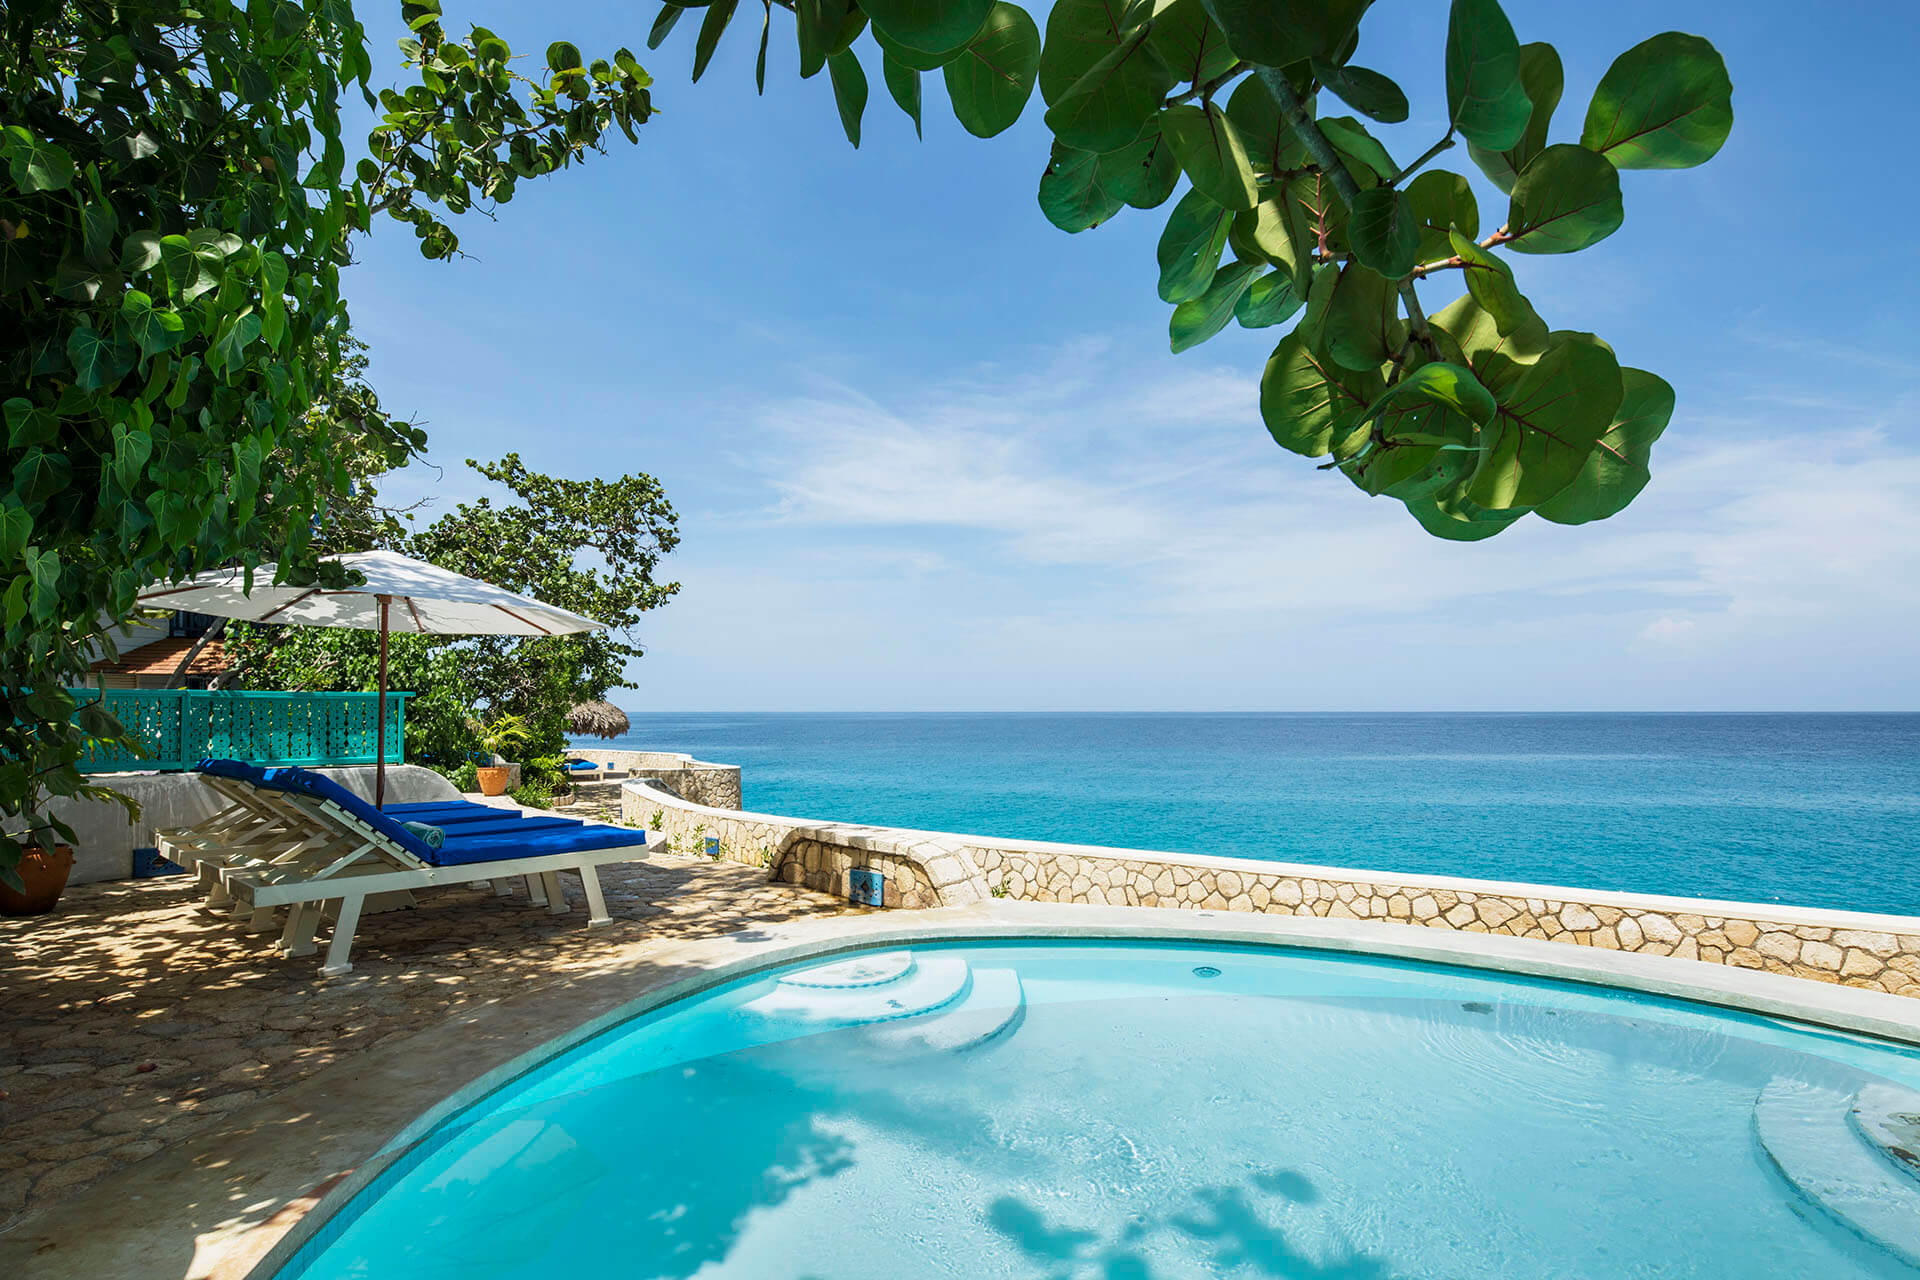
x=596, y=901
x=536, y=889
x=297, y=938
x=342, y=942
x=503, y=887
x=219, y=897
x=556, y=896
x=261, y=920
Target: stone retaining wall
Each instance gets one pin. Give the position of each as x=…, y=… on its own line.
x=1877, y=952
x=714, y=785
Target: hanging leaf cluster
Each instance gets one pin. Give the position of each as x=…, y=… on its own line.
x=1473, y=416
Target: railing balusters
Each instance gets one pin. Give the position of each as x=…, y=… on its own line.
x=180, y=726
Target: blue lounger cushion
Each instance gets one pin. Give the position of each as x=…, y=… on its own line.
x=239, y=770
x=503, y=846
x=453, y=813
x=318, y=786
x=442, y=806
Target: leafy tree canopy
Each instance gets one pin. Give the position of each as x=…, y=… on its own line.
x=177, y=198
x=591, y=546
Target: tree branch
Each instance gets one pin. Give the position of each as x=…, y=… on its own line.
x=1211, y=87
x=1430, y=153
x=1294, y=113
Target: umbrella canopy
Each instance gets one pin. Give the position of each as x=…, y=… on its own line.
x=399, y=594
x=597, y=719
x=425, y=600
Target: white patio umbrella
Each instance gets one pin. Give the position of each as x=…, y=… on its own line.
x=400, y=594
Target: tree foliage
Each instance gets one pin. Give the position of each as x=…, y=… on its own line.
x=176, y=201
x=592, y=546
x=1473, y=417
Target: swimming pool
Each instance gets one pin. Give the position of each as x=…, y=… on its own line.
x=1133, y=1110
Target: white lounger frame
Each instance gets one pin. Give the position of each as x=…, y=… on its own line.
x=302, y=853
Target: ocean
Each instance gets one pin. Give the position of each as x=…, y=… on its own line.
x=1816, y=810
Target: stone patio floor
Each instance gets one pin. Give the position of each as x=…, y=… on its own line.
x=130, y=1021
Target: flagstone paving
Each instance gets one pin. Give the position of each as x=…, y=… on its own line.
x=130, y=1021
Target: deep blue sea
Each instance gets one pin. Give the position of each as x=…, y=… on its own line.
x=1819, y=810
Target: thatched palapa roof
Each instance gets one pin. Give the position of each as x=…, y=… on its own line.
x=598, y=720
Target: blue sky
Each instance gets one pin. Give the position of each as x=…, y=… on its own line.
x=930, y=453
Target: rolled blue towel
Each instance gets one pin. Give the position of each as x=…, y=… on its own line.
x=432, y=837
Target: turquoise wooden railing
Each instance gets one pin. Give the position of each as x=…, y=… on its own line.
x=181, y=726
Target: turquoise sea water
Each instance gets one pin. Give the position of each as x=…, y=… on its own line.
x=1820, y=810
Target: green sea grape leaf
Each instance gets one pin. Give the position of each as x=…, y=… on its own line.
x=1307, y=401
x=1485, y=99
x=849, y=91
x=1490, y=281
x=1070, y=192
x=1568, y=198
x=712, y=27
x=1188, y=39
x=16, y=528
x=1359, y=149
x=991, y=78
x=1209, y=149
x=1111, y=105
x=1666, y=103
x=1383, y=231
x=1470, y=336
x=1442, y=202
x=1279, y=33
x=1368, y=92
x=1459, y=520
x=1271, y=147
x=1079, y=34
x=1276, y=230
x=1143, y=173
x=918, y=59
x=1542, y=79
x=1427, y=432
x=1617, y=469
x=1363, y=328
x=1546, y=425
x=933, y=26
x=903, y=83
x=663, y=24
x=1268, y=301
x=1197, y=319
x=1190, y=246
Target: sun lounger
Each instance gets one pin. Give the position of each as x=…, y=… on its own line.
x=360, y=853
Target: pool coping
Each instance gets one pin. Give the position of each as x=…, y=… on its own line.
x=108, y=1222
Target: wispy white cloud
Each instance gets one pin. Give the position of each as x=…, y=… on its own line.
x=1082, y=518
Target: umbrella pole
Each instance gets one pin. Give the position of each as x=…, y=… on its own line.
x=380, y=734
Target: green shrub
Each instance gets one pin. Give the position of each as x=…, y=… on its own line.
x=532, y=795
x=464, y=776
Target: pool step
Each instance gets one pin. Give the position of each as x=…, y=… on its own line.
x=994, y=1005
x=925, y=985
x=902, y=1005
x=1826, y=1143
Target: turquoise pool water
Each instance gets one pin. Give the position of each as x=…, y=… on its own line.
x=1138, y=1112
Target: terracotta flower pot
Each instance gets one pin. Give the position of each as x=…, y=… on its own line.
x=493, y=779
x=45, y=873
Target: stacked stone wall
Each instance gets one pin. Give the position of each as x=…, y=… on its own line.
x=1875, y=952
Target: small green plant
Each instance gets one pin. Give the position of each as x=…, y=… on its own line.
x=533, y=795
x=464, y=776
x=501, y=734
x=659, y=818
x=998, y=890
x=766, y=856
